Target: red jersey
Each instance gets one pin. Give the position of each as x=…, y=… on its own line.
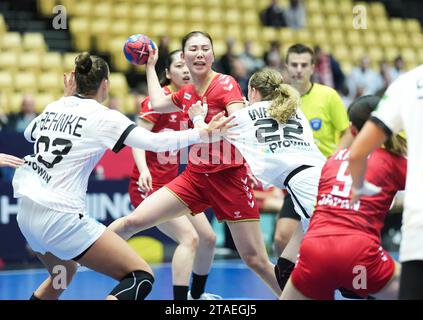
x=163, y=166
x=334, y=216
x=222, y=91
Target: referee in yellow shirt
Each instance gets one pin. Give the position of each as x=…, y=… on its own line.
x=328, y=119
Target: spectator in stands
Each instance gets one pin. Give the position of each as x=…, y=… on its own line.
x=114, y=103
x=226, y=61
x=363, y=80
x=239, y=72
x=19, y=121
x=385, y=76
x=3, y=119
x=327, y=70
x=398, y=68
x=272, y=58
x=163, y=54
x=273, y=15
x=295, y=15
x=251, y=62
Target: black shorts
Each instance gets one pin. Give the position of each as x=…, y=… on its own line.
x=288, y=210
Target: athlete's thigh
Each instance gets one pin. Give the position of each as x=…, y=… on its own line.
x=159, y=207
x=112, y=255
x=201, y=224
x=178, y=228
x=54, y=265
x=248, y=238
x=292, y=293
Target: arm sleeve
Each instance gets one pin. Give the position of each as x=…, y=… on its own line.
x=231, y=90
x=111, y=129
x=177, y=97
x=388, y=111
x=146, y=113
x=32, y=129
x=161, y=141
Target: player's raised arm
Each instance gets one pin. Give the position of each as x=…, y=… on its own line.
x=159, y=101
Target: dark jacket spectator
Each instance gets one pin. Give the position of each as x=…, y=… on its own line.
x=273, y=15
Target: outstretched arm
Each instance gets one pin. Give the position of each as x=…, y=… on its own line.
x=6, y=160
x=173, y=140
x=370, y=137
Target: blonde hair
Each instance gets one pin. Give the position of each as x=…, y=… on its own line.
x=284, y=99
x=396, y=144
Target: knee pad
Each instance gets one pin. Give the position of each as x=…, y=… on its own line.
x=134, y=286
x=283, y=270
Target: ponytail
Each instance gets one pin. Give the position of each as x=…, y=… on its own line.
x=284, y=99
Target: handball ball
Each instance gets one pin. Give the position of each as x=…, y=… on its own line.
x=136, y=49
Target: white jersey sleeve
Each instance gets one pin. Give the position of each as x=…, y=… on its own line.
x=388, y=113
x=112, y=128
x=162, y=141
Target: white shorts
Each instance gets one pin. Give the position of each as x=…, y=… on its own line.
x=65, y=235
x=411, y=236
x=303, y=188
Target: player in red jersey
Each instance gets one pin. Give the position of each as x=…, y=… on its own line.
x=342, y=247
x=194, y=235
x=215, y=176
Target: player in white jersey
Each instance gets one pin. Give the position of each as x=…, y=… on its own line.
x=275, y=138
x=400, y=109
x=70, y=136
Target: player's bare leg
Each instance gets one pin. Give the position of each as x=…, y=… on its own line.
x=111, y=255
x=181, y=231
x=250, y=245
x=159, y=207
x=207, y=243
x=61, y=274
x=292, y=293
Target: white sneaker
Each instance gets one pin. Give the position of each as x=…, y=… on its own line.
x=205, y=296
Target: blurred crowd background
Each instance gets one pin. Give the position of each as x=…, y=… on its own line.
x=360, y=47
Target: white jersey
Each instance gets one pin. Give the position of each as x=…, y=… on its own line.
x=402, y=109
x=274, y=150
x=70, y=137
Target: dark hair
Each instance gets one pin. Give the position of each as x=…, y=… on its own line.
x=169, y=59
x=359, y=112
x=299, y=48
x=193, y=34
x=284, y=99
x=89, y=72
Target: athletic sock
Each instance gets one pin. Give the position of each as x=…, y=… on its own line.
x=180, y=292
x=198, y=285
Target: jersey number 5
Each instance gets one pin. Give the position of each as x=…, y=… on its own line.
x=343, y=177
x=58, y=152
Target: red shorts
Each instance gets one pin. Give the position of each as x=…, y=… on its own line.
x=227, y=192
x=352, y=262
x=136, y=195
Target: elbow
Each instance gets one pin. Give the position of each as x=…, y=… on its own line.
x=355, y=156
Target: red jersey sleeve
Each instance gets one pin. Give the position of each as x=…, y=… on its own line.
x=146, y=112
x=179, y=96
x=231, y=91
